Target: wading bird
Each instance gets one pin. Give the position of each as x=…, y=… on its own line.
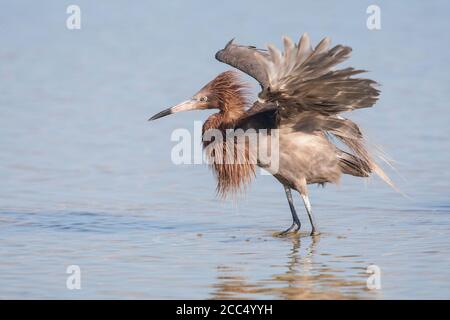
x=302, y=95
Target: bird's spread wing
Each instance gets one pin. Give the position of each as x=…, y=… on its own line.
x=303, y=78
x=302, y=89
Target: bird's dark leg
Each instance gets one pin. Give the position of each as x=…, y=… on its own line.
x=314, y=230
x=295, y=220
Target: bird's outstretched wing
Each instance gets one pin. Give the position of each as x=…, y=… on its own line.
x=302, y=89
x=303, y=78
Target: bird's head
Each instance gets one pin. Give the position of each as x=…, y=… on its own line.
x=225, y=92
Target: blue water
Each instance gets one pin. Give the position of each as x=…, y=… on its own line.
x=87, y=181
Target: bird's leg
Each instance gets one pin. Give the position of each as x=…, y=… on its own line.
x=314, y=230
x=295, y=220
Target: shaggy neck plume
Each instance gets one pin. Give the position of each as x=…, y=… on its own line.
x=233, y=172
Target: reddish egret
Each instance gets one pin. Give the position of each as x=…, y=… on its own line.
x=302, y=95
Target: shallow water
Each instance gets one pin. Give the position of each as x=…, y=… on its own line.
x=87, y=181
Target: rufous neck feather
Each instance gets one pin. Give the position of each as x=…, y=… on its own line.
x=231, y=96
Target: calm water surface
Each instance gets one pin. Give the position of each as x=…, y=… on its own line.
x=87, y=181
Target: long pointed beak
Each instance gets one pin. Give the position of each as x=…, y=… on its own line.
x=184, y=106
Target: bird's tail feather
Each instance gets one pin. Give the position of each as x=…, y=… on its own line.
x=358, y=162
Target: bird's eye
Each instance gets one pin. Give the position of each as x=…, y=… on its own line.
x=204, y=99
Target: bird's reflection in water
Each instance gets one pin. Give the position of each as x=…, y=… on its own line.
x=303, y=279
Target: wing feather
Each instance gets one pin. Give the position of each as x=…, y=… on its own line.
x=246, y=59
x=303, y=78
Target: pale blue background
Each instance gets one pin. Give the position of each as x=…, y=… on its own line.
x=86, y=180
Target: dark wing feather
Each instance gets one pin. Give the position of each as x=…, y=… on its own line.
x=304, y=79
x=245, y=59
x=259, y=119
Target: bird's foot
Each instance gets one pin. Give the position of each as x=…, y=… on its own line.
x=314, y=233
x=292, y=229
